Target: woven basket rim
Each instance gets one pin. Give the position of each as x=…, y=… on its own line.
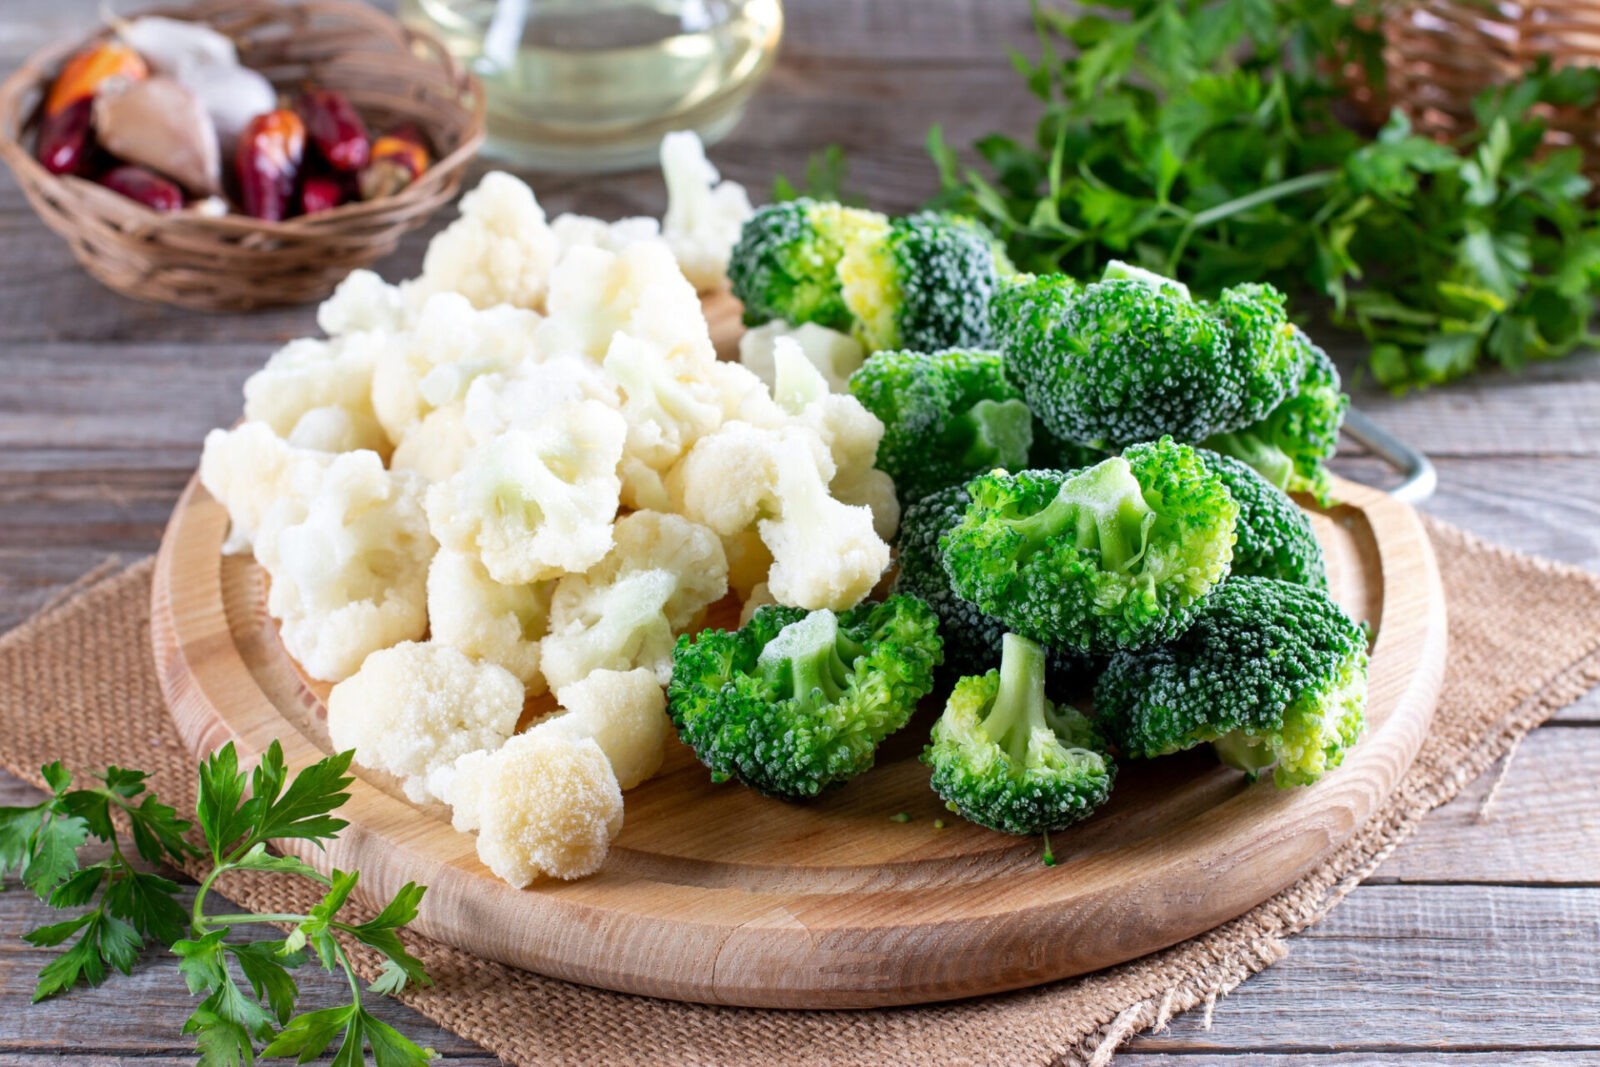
x=33, y=74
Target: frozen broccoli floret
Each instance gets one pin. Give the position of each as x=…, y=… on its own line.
x=1005, y=757
x=1274, y=537
x=1265, y=345
x=786, y=262
x=946, y=417
x=1272, y=674
x=925, y=284
x=797, y=701
x=1119, y=555
x=1291, y=445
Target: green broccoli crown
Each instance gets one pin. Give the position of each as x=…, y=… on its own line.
x=1274, y=538
x=1265, y=344
x=796, y=701
x=926, y=285
x=946, y=416
x=785, y=264
x=1004, y=757
x=1274, y=673
x=1291, y=446
x=1119, y=555
x=1121, y=361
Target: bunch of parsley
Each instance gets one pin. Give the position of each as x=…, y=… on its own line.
x=247, y=987
x=1213, y=140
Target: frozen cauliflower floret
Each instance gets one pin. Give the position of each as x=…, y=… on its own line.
x=704, y=215
x=585, y=231
x=542, y=804
x=825, y=554
x=638, y=291
x=526, y=396
x=499, y=624
x=318, y=394
x=627, y=611
x=850, y=431
x=729, y=478
x=249, y=470
x=414, y=708
x=348, y=553
x=759, y=598
x=534, y=504
x=667, y=409
x=434, y=448
x=500, y=251
x=363, y=303
x=433, y=365
x=874, y=489
x=625, y=713
x=835, y=355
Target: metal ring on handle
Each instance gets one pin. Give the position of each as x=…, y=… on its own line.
x=1420, y=478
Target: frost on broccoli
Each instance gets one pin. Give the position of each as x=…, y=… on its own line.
x=1291, y=445
x=1273, y=674
x=796, y=701
x=1274, y=537
x=1115, y=556
x=786, y=262
x=1264, y=343
x=1005, y=757
x=946, y=417
x=925, y=285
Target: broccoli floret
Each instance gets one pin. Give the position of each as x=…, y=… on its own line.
x=1119, y=361
x=1005, y=757
x=796, y=701
x=1264, y=342
x=786, y=262
x=1118, y=555
x=925, y=285
x=1291, y=445
x=1272, y=673
x=1274, y=538
x=946, y=417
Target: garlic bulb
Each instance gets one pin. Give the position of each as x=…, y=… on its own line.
x=160, y=123
x=172, y=46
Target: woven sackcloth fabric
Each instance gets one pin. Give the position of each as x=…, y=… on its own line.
x=77, y=684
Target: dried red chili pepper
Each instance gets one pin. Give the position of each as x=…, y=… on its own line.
x=145, y=186
x=335, y=128
x=322, y=192
x=65, y=137
x=398, y=158
x=85, y=71
x=268, y=159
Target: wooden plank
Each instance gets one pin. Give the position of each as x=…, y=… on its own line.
x=1401, y=1056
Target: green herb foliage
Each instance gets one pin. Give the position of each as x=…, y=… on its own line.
x=1209, y=140
x=247, y=989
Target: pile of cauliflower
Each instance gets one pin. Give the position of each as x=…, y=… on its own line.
x=526, y=471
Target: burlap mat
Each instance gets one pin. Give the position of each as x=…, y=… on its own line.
x=76, y=683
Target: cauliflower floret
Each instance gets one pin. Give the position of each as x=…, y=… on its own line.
x=626, y=611
x=542, y=804
x=835, y=355
x=728, y=479
x=347, y=548
x=451, y=344
x=625, y=712
x=872, y=489
x=434, y=448
x=638, y=291
x=496, y=623
x=844, y=424
x=414, y=708
x=318, y=395
x=703, y=216
x=525, y=397
x=249, y=470
x=499, y=251
x=825, y=554
x=667, y=411
x=363, y=303
x=534, y=504
x=759, y=597
x=585, y=231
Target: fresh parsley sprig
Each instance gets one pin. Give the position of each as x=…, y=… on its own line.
x=248, y=993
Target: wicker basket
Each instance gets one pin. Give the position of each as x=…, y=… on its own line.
x=1440, y=53
x=235, y=262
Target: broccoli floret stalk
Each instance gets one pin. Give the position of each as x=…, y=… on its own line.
x=1118, y=555
x=794, y=702
x=946, y=417
x=925, y=285
x=785, y=264
x=1271, y=673
x=1005, y=757
x=1117, y=270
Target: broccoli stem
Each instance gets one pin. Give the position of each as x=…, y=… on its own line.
x=1236, y=751
x=991, y=430
x=1019, y=703
x=1103, y=508
x=809, y=661
x=1249, y=447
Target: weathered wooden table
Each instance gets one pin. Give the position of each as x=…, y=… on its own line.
x=1476, y=943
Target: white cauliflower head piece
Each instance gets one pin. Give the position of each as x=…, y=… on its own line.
x=318, y=394
x=835, y=355
x=638, y=291
x=495, y=623
x=585, y=231
x=362, y=303
x=625, y=712
x=249, y=470
x=826, y=554
x=534, y=504
x=704, y=215
x=415, y=708
x=499, y=251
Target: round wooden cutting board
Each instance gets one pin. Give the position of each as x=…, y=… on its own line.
x=717, y=894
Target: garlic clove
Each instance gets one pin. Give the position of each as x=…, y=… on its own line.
x=161, y=124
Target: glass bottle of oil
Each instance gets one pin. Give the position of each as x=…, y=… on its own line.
x=593, y=84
